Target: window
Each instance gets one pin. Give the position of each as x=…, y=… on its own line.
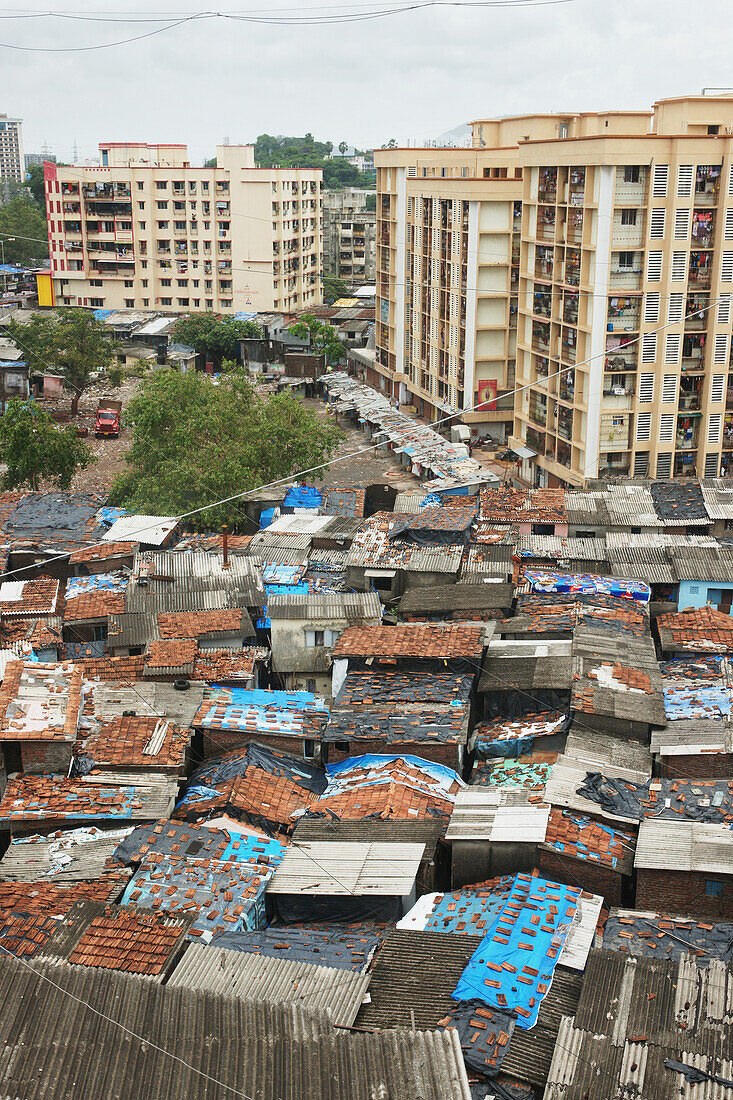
x=676, y=307
x=646, y=388
x=617, y=422
x=672, y=344
x=179, y=225
x=183, y=301
x=129, y=303
x=679, y=267
x=643, y=427
x=664, y=464
x=139, y=186
x=182, y=282
x=669, y=389
x=684, y=181
x=681, y=225
x=309, y=747
x=713, y=129
x=713, y=889
x=310, y=685
x=724, y=309
x=146, y=301
x=626, y=259
x=726, y=268
x=166, y=282
x=666, y=427
x=141, y=206
x=166, y=301
x=653, y=265
x=129, y=282
x=651, y=307
x=631, y=173
x=96, y=282
x=342, y=746
x=649, y=347
x=141, y=225
x=145, y=282
x=656, y=223
x=628, y=217
x=161, y=184
x=714, y=421
x=659, y=181
x=96, y=302
x=720, y=348
x=717, y=388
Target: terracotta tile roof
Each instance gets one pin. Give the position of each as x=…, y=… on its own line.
x=94, y=605
x=702, y=630
x=575, y=834
x=632, y=678
x=546, y=612
x=38, y=596
x=126, y=939
x=101, y=553
x=272, y=797
x=113, y=668
x=509, y=505
x=424, y=640
x=25, y=933
x=44, y=897
x=122, y=742
x=172, y=653
x=40, y=702
x=39, y=797
x=387, y=801
x=198, y=624
x=221, y=665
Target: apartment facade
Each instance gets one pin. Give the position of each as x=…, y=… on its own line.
x=12, y=165
x=349, y=236
x=448, y=250
x=145, y=229
x=626, y=279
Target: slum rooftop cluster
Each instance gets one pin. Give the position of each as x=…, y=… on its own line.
x=438, y=784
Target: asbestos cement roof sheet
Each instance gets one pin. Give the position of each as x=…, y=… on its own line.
x=251, y=977
x=192, y=582
x=717, y=495
x=369, y=869
x=685, y=846
x=631, y=505
x=496, y=815
x=150, y=530
x=354, y=607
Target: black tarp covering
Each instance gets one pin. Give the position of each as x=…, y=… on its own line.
x=333, y=908
x=225, y=768
x=517, y=704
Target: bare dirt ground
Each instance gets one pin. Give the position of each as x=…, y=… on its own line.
x=369, y=468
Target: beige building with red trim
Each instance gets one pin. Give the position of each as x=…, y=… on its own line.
x=145, y=229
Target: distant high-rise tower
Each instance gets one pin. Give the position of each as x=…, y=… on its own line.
x=12, y=166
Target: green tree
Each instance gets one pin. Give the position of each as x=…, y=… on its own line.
x=36, y=185
x=371, y=201
x=334, y=288
x=70, y=342
x=210, y=163
x=22, y=220
x=35, y=449
x=194, y=442
x=322, y=337
x=252, y=331
x=342, y=147
x=211, y=335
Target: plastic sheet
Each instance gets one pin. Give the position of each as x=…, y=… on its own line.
x=545, y=581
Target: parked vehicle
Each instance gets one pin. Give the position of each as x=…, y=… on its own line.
x=108, y=417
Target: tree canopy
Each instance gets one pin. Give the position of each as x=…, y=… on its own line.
x=35, y=449
x=371, y=201
x=305, y=152
x=23, y=216
x=334, y=288
x=211, y=335
x=322, y=337
x=70, y=342
x=195, y=442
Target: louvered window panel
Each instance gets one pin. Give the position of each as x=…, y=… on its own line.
x=656, y=223
x=711, y=465
x=676, y=308
x=728, y=231
x=654, y=266
x=679, y=266
x=643, y=428
x=717, y=388
x=664, y=464
x=714, y=428
x=651, y=307
x=659, y=181
x=412, y=171
x=720, y=347
x=684, y=181
x=730, y=180
x=669, y=389
x=646, y=388
x=724, y=309
x=666, y=427
x=649, y=347
x=672, y=345
x=726, y=268
x=641, y=464
x=681, y=225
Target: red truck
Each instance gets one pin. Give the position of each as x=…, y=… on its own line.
x=108, y=417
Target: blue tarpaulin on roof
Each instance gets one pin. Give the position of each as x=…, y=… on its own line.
x=266, y=517
x=108, y=516
x=303, y=496
x=373, y=769
x=587, y=583
x=301, y=589
x=8, y=269
x=102, y=314
x=245, y=316
x=512, y=967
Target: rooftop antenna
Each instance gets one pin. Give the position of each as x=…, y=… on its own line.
x=226, y=140
x=76, y=151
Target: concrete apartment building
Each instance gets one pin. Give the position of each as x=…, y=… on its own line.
x=448, y=249
x=12, y=165
x=626, y=283
x=145, y=229
x=580, y=232
x=349, y=235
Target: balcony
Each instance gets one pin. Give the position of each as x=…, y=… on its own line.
x=707, y=184
x=701, y=268
x=622, y=317
x=106, y=192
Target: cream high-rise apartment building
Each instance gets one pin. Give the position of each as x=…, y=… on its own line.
x=12, y=164
x=626, y=284
x=147, y=230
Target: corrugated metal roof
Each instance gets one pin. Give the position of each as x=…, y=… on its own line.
x=456, y=597
x=357, y=869
x=267, y=539
x=562, y=549
x=77, y=855
x=697, y=737
x=427, y=833
x=600, y=752
x=135, y=629
x=355, y=607
x=717, y=494
x=685, y=846
x=413, y=977
x=279, y=981
x=702, y=563
x=631, y=505
x=192, y=582
x=645, y=563
x=586, y=507
x=497, y=815
x=274, y=1052
x=530, y=1052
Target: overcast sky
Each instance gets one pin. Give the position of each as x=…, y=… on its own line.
x=412, y=76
